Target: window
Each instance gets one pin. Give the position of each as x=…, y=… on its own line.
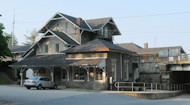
x=98, y=75
x=78, y=73
x=57, y=47
x=66, y=27
x=126, y=70
x=151, y=59
x=46, y=48
x=106, y=32
x=57, y=27
x=113, y=70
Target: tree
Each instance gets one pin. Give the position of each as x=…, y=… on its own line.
x=32, y=38
x=4, y=50
x=9, y=39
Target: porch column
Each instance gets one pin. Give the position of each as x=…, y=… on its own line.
x=52, y=74
x=67, y=70
x=87, y=71
x=21, y=75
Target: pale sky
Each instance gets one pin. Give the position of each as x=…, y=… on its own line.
x=160, y=23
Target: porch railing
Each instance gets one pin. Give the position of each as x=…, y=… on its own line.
x=151, y=87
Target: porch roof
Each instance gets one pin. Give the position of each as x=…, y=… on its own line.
x=84, y=62
x=54, y=60
x=41, y=61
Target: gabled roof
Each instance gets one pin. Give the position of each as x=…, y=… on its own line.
x=130, y=46
x=19, y=49
x=71, y=19
x=97, y=45
x=97, y=24
x=65, y=37
x=88, y=25
x=140, y=50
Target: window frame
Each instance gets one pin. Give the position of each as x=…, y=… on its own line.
x=73, y=74
x=114, y=72
x=95, y=75
x=56, y=47
x=46, y=48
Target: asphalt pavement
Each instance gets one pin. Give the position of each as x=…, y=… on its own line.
x=18, y=95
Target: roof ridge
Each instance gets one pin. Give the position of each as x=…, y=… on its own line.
x=99, y=18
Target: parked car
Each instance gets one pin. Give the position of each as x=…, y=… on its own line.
x=39, y=83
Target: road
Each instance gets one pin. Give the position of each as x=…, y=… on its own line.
x=11, y=95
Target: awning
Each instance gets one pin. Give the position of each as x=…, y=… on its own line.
x=55, y=60
x=41, y=61
x=85, y=62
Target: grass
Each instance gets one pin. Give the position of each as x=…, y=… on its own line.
x=3, y=80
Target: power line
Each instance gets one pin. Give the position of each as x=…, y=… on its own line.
x=154, y=15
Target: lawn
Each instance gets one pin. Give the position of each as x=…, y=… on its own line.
x=3, y=80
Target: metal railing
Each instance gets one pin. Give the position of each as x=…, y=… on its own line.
x=152, y=87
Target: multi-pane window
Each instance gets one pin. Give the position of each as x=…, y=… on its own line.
x=46, y=48
x=57, y=47
x=78, y=73
x=114, y=70
x=98, y=75
x=151, y=59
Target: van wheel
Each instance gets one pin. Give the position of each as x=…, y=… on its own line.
x=39, y=87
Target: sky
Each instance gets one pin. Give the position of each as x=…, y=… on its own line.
x=160, y=23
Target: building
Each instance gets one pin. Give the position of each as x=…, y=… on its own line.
x=160, y=65
x=80, y=54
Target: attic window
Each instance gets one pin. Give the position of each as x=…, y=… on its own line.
x=106, y=32
x=57, y=47
x=57, y=27
x=46, y=48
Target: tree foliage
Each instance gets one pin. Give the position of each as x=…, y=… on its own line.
x=4, y=50
x=9, y=39
x=32, y=38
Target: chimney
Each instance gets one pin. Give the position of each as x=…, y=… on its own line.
x=79, y=21
x=145, y=45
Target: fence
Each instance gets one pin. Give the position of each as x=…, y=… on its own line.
x=141, y=86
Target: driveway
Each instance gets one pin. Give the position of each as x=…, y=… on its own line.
x=10, y=95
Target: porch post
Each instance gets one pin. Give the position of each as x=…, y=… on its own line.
x=21, y=75
x=67, y=70
x=52, y=74
x=87, y=72
x=87, y=69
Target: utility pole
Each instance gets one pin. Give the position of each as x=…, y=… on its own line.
x=13, y=28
